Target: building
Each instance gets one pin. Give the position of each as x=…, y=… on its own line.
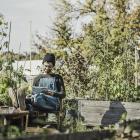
x=30, y=68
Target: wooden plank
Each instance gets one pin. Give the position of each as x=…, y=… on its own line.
x=107, y=112
x=102, y=111
x=111, y=118
x=107, y=104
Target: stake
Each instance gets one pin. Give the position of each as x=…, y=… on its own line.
x=30, y=48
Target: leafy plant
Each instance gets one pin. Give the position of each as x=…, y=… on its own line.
x=100, y=62
x=8, y=76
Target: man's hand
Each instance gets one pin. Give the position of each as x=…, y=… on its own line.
x=45, y=91
x=50, y=93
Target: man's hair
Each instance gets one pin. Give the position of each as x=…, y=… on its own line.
x=49, y=57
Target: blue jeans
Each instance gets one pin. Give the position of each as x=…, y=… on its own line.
x=46, y=102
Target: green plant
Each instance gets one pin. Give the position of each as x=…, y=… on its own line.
x=99, y=63
x=8, y=76
x=11, y=131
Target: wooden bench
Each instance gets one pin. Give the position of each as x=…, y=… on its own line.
x=9, y=113
x=18, y=101
x=107, y=112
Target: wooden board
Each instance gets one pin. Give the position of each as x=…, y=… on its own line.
x=107, y=112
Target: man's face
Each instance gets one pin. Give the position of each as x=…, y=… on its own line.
x=48, y=66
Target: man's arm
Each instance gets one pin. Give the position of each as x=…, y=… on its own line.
x=61, y=93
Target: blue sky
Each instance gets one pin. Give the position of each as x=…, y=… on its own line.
x=20, y=13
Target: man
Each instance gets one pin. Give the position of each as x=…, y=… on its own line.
x=48, y=88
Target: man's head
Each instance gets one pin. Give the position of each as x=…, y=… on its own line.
x=48, y=62
x=49, y=57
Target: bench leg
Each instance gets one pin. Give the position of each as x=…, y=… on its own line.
x=24, y=125
x=58, y=120
x=5, y=121
x=26, y=121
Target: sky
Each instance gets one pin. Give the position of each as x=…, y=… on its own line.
x=23, y=14
x=39, y=14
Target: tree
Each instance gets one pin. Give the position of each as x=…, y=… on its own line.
x=100, y=62
x=69, y=51
x=113, y=46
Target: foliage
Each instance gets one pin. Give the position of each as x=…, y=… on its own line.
x=3, y=32
x=113, y=53
x=100, y=62
x=116, y=46
x=9, y=76
x=10, y=131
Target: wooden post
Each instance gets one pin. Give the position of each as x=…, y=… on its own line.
x=9, y=37
x=30, y=50
x=136, y=67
